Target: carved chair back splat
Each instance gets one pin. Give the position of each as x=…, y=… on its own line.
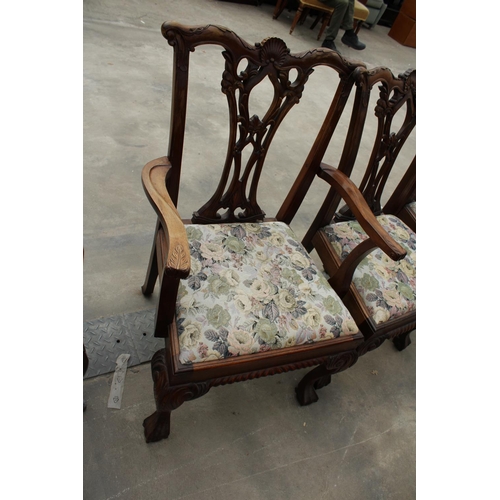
x=269, y=60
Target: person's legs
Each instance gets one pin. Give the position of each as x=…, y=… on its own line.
x=341, y=8
x=350, y=38
x=348, y=19
x=342, y=17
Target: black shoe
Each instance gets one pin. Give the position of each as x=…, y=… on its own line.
x=329, y=44
x=351, y=40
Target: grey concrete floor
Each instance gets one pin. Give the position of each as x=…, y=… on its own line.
x=249, y=440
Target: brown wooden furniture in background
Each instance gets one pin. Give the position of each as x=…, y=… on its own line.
x=280, y=7
x=324, y=14
x=234, y=205
x=404, y=28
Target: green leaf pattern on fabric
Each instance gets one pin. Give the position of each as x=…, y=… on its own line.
x=253, y=288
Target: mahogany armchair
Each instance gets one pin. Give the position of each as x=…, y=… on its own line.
x=239, y=295
x=378, y=291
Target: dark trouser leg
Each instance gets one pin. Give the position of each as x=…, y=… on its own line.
x=339, y=17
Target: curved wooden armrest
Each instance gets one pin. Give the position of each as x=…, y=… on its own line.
x=154, y=176
x=355, y=201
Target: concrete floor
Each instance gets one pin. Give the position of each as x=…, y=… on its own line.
x=250, y=440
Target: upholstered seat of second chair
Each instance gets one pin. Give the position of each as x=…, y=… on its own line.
x=253, y=288
x=387, y=287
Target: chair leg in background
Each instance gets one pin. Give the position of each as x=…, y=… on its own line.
x=280, y=7
x=152, y=272
x=298, y=15
x=326, y=22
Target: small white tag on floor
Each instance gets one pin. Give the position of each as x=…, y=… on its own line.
x=118, y=384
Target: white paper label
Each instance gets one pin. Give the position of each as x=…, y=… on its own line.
x=118, y=384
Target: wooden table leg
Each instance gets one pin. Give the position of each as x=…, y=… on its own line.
x=298, y=15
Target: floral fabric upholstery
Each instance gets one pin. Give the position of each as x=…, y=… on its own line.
x=388, y=288
x=253, y=288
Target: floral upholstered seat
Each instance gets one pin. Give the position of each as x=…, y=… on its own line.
x=388, y=288
x=253, y=288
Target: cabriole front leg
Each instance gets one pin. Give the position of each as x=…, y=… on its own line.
x=168, y=398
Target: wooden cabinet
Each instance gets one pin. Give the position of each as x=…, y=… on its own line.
x=404, y=29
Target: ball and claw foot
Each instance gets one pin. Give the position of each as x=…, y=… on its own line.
x=157, y=426
x=306, y=394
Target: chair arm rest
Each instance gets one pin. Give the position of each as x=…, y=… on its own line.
x=177, y=260
x=355, y=201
